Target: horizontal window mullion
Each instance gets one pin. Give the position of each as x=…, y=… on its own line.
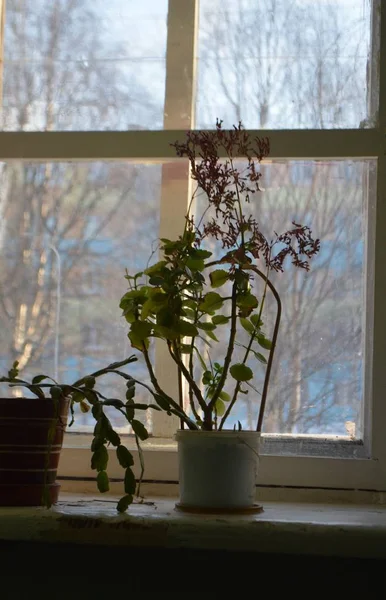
x=156, y=145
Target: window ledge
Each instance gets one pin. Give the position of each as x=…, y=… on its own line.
x=298, y=528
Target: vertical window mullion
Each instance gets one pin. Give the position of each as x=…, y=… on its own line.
x=378, y=408
x=178, y=114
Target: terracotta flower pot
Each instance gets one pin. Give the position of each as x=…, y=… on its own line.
x=28, y=461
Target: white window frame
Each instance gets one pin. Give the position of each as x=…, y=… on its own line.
x=298, y=461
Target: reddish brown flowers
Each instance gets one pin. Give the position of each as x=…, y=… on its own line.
x=212, y=156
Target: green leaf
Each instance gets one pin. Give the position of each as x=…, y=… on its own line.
x=259, y=357
x=97, y=413
x=189, y=313
x=218, y=277
x=190, y=303
x=206, y=326
x=199, y=253
x=201, y=360
x=113, y=437
x=162, y=402
x=256, y=321
x=166, y=317
x=39, y=378
x=156, y=302
x=138, y=335
x=139, y=429
x=186, y=349
x=100, y=459
x=130, y=392
x=247, y=325
x=166, y=333
x=136, y=276
x=147, y=309
x=224, y=396
x=156, y=268
x=138, y=295
x=195, y=264
x=220, y=407
x=140, y=330
x=144, y=406
x=241, y=372
x=130, y=411
x=212, y=302
x=114, y=402
x=220, y=320
x=130, y=483
x=103, y=482
x=156, y=280
x=264, y=342
x=186, y=329
x=125, y=458
x=96, y=443
x=247, y=301
x=124, y=503
x=211, y=335
x=207, y=377
x=89, y=381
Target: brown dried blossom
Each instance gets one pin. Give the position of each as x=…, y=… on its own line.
x=226, y=187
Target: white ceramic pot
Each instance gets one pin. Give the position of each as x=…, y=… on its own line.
x=217, y=469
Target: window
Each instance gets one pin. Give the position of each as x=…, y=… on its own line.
x=93, y=93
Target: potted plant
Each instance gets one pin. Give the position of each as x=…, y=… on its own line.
x=32, y=429
x=204, y=295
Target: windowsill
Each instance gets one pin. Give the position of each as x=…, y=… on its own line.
x=298, y=528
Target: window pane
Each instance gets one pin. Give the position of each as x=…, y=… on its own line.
x=317, y=377
x=84, y=65
x=67, y=234
x=276, y=64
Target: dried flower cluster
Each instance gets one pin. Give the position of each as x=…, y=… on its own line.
x=226, y=187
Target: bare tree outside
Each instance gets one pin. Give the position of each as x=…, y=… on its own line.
x=69, y=230
x=83, y=65
x=283, y=64
x=299, y=64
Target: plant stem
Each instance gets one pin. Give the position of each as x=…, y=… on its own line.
x=160, y=391
x=142, y=463
x=179, y=380
x=270, y=357
x=122, y=363
x=189, y=379
x=273, y=346
x=239, y=205
x=228, y=357
x=190, y=390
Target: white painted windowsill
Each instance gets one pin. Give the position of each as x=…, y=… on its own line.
x=299, y=528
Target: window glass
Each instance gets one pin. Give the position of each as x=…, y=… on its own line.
x=280, y=64
x=316, y=384
x=84, y=65
x=68, y=232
